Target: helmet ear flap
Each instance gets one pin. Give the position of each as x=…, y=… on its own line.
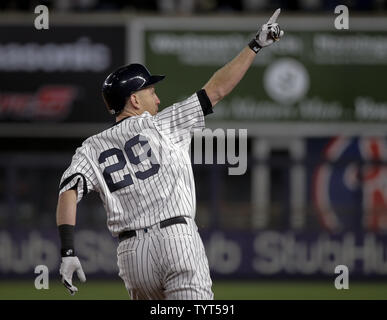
x=114, y=102
x=122, y=105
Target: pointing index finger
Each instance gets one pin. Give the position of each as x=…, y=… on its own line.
x=274, y=17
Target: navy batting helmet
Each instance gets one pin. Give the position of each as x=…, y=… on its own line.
x=121, y=83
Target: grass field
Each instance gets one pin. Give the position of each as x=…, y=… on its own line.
x=223, y=290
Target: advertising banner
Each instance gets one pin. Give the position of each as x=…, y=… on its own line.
x=347, y=183
x=309, y=76
x=56, y=75
x=253, y=255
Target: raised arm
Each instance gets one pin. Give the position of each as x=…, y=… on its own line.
x=225, y=79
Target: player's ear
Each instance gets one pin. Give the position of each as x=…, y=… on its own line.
x=134, y=101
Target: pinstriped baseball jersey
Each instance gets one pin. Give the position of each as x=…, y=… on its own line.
x=141, y=166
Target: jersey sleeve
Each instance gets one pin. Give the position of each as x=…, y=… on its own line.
x=183, y=117
x=79, y=175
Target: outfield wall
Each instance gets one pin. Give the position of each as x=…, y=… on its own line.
x=232, y=254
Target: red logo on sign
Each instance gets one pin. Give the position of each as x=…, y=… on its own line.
x=370, y=178
x=48, y=103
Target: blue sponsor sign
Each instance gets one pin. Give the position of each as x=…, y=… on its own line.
x=254, y=255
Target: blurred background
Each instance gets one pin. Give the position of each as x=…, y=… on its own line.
x=314, y=194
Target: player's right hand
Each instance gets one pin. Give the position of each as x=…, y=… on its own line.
x=67, y=268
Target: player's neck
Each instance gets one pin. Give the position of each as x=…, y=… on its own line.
x=126, y=114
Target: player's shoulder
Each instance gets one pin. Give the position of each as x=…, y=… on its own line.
x=198, y=98
x=182, y=101
x=131, y=123
x=89, y=143
x=84, y=148
x=188, y=99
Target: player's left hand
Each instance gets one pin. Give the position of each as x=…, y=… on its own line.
x=67, y=268
x=268, y=33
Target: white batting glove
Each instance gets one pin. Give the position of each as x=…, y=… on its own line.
x=67, y=268
x=267, y=34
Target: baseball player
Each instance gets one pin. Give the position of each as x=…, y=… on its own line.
x=141, y=169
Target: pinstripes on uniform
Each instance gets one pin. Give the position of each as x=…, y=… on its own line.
x=167, y=263
x=142, y=171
